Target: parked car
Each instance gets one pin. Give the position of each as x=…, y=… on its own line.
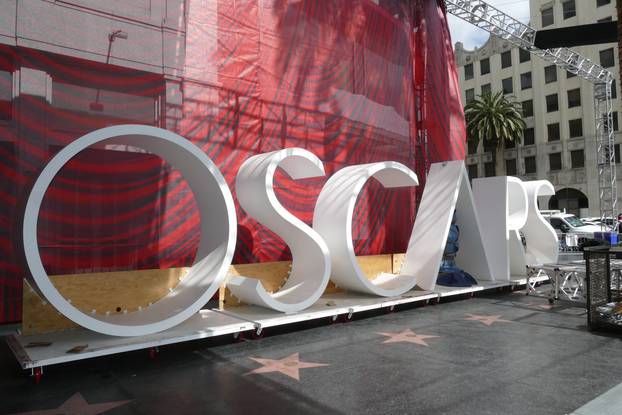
x=573, y=233
x=568, y=223
x=596, y=221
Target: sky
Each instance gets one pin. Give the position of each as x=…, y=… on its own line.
x=471, y=36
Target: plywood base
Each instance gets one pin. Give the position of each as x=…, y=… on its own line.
x=272, y=275
x=104, y=292
x=398, y=260
x=40, y=317
x=116, y=292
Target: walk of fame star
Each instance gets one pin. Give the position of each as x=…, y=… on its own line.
x=77, y=405
x=407, y=336
x=487, y=320
x=289, y=366
x=542, y=306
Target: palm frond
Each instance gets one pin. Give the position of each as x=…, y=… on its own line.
x=495, y=119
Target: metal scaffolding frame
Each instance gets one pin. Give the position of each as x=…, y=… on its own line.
x=494, y=21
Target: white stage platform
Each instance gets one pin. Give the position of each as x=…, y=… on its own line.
x=520, y=280
x=330, y=305
x=212, y=323
x=206, y=323
x=481, y=286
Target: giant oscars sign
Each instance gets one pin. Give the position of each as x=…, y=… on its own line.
x=320, y=252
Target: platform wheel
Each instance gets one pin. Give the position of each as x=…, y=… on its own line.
x=153, y=353
x=389, y=310
x=37, y=374
x=258, y=334
x=239, y=337
x=344, y=318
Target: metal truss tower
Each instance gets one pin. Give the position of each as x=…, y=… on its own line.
x=492, y=20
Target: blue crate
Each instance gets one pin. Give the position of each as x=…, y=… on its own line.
x=610, y=237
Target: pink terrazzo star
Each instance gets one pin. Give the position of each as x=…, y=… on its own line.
x=289, y=366
x=407, y=336
x=487, y=320
x=542, y=306
x=77, y=405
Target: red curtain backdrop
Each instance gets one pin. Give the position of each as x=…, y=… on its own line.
x=350, y=80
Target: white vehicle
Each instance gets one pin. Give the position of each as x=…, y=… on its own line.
x=609, y=222
x=566, y=223
x=595, y=221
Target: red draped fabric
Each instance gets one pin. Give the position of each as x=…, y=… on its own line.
x=350, y=80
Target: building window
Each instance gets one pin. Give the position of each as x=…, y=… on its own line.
x=614, y=121
x=575, y=127
x=602, y=2
x=486, y=89
x=468, y=71
x=527, y=108
x=472, y=171
x=616, y=152
x=569, y=9
x=510, y=167
x=506, y=59
x=529, y=137
x=553, y=131
x=550, y=74
x=530, y=165
x=6, y=87
x=547, y=17
x=570, y=75
x=614, y=93
x=555, y=161
x=574, y=98
x=577, y=159
x=510, y=143
x=525, y=80
x=552, y=104
x=472, y=146
x=489, y=169
x=606, y=58
x=507, y=86
x=110, y=106
x=469, y=95
x=489, y=146
x=6, y=94
x=484, y=66
x=524, y=55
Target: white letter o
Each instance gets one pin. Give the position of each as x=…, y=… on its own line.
x=214, y=255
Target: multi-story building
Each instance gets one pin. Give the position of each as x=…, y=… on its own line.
x=559, y=140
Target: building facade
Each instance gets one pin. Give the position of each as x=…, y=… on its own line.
x=559, y=143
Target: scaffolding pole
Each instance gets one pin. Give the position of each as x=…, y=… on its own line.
x=498, y=23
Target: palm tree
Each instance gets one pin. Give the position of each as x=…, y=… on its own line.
x=494, y=120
